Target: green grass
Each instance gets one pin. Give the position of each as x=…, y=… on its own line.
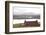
x=18, y=25
x=23, y=25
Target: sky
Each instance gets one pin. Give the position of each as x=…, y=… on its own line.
x=23, y=10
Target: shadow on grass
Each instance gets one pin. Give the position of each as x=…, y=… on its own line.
x=23, y=25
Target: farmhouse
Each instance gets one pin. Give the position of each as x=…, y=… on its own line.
x=31, y=23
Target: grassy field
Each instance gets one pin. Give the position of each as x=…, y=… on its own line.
x=18, y=25
x=23, y=25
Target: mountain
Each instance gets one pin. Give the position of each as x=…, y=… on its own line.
x=26, y=16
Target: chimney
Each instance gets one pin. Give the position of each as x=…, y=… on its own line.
x=24, y=21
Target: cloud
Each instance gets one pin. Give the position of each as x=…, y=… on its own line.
x=25, y=11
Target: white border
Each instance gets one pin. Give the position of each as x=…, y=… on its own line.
x=11, y=29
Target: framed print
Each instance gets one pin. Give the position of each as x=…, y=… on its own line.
x=24, y=17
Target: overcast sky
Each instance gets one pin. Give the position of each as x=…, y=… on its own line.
x=20, y=10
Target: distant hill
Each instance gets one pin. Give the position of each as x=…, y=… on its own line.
x=26, y=16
